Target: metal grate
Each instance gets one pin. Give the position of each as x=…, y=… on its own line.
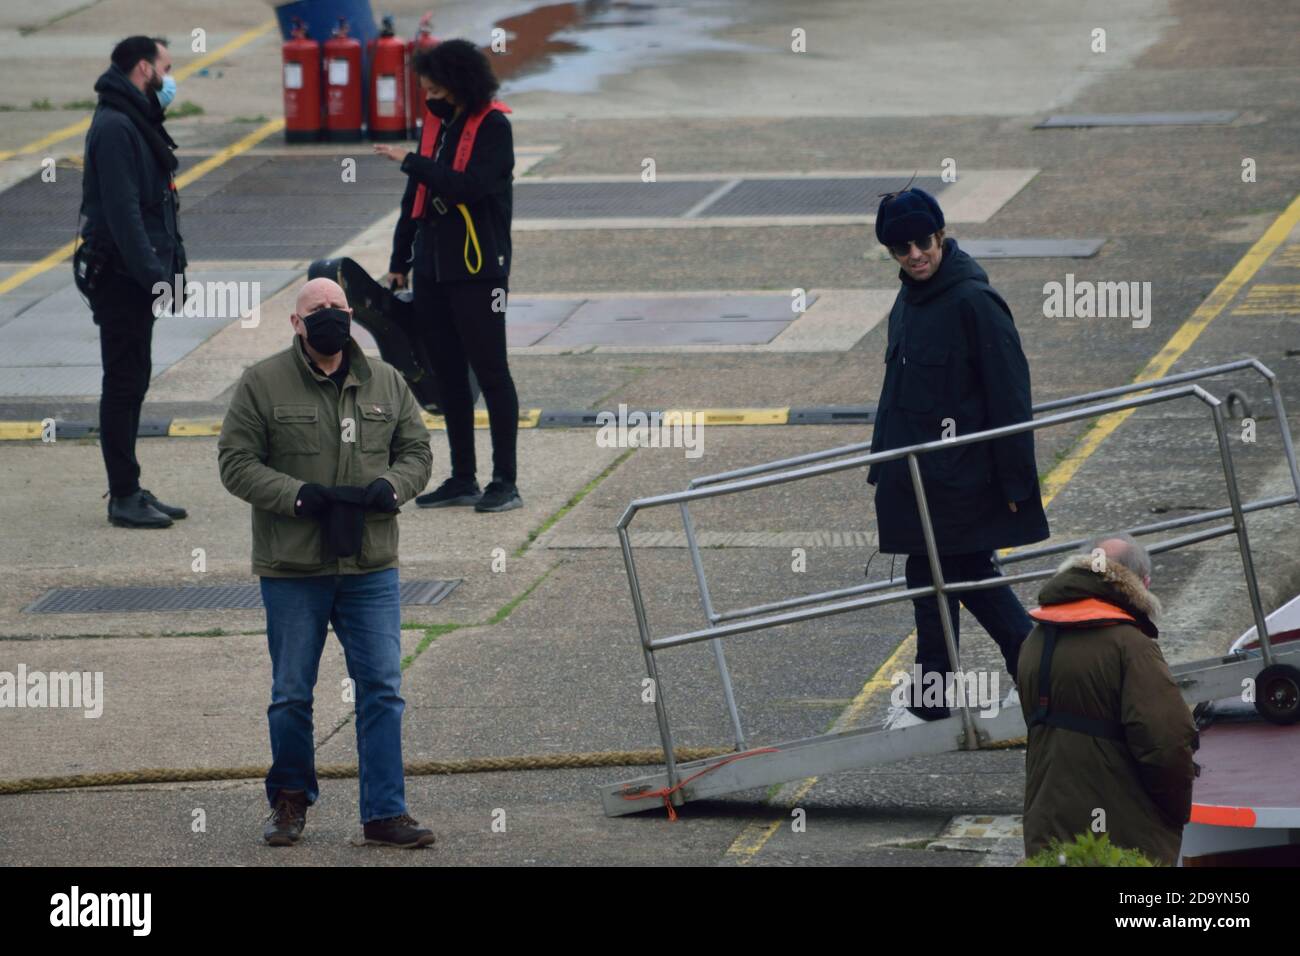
x=848, y=196
x=194, y=598
x=252, y=208
x=597, y=200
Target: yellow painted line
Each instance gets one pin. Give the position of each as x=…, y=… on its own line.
x=192, y=427
x=728, y=416
x=227, y=153
x=528, y=418
x=19, y=431
x=1264, y=299
x=58, y=136
x=36, y=268
x=1288, y=258
x=212, y=162
x=755, y=836
x=79, y=127
x=245, y=38
x=1179, y=343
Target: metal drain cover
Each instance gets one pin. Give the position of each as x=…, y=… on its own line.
x=194, y=598
x=1032, y=248
x=813, y=196
x=1204, y=118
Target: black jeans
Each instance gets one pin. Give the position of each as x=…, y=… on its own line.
x=123, y=310
x=460, y=330
x=998, y=610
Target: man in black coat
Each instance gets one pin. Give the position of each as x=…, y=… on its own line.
x=953, y=366
x=130, y=242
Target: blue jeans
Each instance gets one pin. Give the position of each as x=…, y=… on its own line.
x=366, y=614
x=998, y=610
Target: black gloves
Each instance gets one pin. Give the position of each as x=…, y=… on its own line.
x=380, y=496
x=313, y=500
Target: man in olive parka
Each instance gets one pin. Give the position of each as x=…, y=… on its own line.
x=1110, y=737
x=953, y=366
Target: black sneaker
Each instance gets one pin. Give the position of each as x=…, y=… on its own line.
x=170, y=511
x=453, y=491
x=399, y=831
x=133, y=511
x=288, y=817
x=500, y=496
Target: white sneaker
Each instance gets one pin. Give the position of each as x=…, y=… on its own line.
x=900, y=718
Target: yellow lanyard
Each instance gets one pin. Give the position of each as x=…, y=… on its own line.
x=470, y=236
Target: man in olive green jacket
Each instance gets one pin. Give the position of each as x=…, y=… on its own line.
x=1110, y=737
x=325, y=444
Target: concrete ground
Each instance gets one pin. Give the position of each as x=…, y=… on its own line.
x=541, y=656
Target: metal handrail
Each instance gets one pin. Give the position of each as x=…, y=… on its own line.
x=713, y=616
x=752, y=480
x=1143, y=386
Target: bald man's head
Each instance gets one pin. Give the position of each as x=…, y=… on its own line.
x=1124, y=550
x=320, y=293
x=316, y=295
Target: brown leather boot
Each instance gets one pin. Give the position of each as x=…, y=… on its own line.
x=288, y=817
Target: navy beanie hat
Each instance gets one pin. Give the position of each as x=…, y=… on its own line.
x=910, y=214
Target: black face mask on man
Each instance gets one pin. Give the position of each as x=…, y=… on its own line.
x=328, y=330
x=441, y=109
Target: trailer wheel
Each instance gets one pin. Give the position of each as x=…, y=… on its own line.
x=1277, y=694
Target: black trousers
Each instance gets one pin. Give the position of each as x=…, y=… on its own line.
x=998, y=610
x=123, y=310
x=460, y=330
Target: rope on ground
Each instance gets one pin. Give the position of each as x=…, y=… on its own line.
x=418, y=768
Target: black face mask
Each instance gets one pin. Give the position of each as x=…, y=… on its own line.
x=328, y=330
x=441, y=109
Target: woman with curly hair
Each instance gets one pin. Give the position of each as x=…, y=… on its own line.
x=454, y=233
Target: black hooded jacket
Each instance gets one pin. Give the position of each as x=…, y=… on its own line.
x=126, y=194
x=953, y=366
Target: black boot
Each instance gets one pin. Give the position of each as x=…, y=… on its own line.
x=288, y=817
x=170, y=511
x=134, y=511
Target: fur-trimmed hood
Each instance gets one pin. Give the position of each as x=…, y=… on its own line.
x=1076, y=580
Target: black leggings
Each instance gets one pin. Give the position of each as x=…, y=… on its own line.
x=461, y=330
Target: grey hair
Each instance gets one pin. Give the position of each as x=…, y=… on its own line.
x=1132, y=556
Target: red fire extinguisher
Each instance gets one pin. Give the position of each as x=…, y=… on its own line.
x=301, y=86
x=424, y=39
x=388, y=85
x=342, y=85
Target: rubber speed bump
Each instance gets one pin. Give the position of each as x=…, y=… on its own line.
x=194, y=427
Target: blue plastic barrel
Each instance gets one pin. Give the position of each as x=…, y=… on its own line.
x=322, y=16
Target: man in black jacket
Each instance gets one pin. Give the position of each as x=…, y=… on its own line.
x=953, y=366
x=131, y=241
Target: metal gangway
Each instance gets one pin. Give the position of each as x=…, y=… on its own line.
x=1216, y=678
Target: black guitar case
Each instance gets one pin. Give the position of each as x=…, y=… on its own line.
x=390, y=317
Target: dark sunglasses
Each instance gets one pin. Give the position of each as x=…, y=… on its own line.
x=923, y=244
